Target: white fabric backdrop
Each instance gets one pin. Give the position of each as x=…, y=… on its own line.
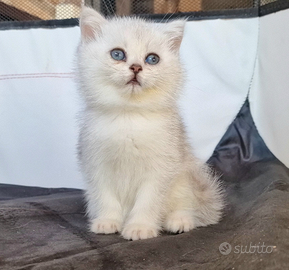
x=219, y=57
x=38, y=99
x=38, y=105
x=269, y=96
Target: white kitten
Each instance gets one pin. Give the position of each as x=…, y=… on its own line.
x=141, y=176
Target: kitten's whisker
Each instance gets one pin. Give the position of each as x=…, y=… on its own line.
x=173, y=13
x=121, y=5
x=164, y=17
x=171, y=16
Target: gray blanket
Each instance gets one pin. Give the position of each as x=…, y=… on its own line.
x=47, y=228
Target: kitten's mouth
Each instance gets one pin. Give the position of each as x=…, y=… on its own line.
x=134, y=81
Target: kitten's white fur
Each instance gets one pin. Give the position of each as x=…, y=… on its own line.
x=141, y=176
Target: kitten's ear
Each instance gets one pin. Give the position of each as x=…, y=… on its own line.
x=175, y=32
x=90, y=23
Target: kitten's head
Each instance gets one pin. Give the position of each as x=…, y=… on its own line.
x=129, y=61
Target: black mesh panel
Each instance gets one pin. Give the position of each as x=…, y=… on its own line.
x=31, y=10
x=27, y=10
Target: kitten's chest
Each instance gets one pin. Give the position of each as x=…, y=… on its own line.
x=132, y=134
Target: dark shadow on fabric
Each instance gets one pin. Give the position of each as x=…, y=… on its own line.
x=247, y=166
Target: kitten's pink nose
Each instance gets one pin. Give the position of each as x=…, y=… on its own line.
x=135, y=68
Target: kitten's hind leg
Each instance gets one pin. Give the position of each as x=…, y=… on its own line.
x=179, y=215
x=179, y=221
x=195, y=199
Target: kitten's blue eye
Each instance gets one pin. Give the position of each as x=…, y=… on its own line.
x=152, y=59
x=117, y=54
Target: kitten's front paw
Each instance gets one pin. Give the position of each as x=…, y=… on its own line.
x=178, y=222
x=139, y=231
x=105, y=226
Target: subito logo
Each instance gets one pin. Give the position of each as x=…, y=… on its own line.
x=225, y=248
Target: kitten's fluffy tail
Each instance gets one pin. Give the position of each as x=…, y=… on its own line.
x=210, y=197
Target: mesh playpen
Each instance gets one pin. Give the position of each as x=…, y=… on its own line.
x=234, y=105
